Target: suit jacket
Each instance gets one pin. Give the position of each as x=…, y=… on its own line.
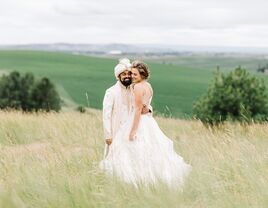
x=116, y=108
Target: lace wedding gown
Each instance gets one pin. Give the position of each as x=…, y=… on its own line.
x=148, y=159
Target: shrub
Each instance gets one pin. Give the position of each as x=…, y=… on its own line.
x=81, y=109
x=237, y=96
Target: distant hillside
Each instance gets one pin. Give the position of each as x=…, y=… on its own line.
x=92, y=48
x=137, y=48
x=79, y=77
x=175, y=88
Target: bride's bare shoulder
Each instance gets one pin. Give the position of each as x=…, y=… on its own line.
x=149, y=83
x=137, y=86
x=138, y=89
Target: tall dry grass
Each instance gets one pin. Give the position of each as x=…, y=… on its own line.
x=51, y=160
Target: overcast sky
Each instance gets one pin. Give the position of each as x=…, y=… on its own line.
x=187, y=22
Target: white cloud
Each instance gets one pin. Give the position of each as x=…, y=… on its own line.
x=207, y=22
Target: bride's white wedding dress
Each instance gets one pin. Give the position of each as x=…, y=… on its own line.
x=148, y=159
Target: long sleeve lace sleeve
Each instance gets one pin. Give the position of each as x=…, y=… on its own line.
x=108, y=103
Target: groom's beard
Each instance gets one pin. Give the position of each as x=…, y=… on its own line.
x=126, y=82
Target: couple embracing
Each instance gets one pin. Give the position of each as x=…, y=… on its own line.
x=137, y=151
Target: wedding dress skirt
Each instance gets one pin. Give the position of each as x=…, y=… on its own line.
x=148, y=159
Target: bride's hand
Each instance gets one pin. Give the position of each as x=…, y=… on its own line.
x=132, y=135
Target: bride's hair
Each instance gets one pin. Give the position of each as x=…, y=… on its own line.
x=142, y=68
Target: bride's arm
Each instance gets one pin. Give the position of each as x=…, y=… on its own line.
x=138, y=93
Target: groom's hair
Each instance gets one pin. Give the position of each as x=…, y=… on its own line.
x=142, y=68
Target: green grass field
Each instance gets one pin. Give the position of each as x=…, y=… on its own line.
x=175, y=87
x=210, y=62
x=51, y=161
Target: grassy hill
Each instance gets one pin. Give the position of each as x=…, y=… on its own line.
x=51, y=160
x=210, y=62
x=175, y=87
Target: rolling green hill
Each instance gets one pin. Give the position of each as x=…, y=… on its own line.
x=175, y=87
x=211, y=62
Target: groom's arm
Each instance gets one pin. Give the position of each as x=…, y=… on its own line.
x=108, y=103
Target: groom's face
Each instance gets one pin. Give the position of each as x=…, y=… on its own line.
x=125, y=78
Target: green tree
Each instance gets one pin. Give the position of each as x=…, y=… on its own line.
x=236, y=96
x=27, y=82
x=10, y=86
x=44, y=96
x=24, y=93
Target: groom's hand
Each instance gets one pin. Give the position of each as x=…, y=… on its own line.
x=145, y=109
x=108, y=141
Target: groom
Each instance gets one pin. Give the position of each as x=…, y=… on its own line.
x=116, y=102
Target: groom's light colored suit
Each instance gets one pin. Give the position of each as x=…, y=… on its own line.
x=116, y=109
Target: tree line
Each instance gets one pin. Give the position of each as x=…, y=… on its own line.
x=25, y=92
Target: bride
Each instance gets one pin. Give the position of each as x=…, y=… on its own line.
x=140, y=152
